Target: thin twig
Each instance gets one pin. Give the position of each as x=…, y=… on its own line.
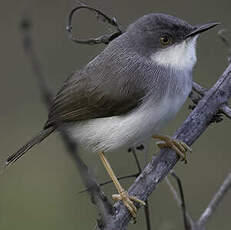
x=133, y=151
x=199, y=89
x=147, y=215
x=120, y=178
x=188, y=222
x=173, y=191
x=110, y=181
x=97, y=196
x=104, y=39
x=217, y=198
x=179, y=200
x=183, y=205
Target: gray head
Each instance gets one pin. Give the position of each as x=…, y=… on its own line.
x=166, y=40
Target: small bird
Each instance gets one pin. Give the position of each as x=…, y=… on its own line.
x=128, y=92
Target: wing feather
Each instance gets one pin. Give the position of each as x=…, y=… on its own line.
x=81, y=99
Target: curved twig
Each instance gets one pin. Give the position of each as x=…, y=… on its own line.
x=106, y=38
x=186, y=218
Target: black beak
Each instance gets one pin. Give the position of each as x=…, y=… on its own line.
x=202, y=28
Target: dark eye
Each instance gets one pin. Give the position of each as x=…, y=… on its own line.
x=165, y=39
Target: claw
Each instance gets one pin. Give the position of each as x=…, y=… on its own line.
x=178, y=146
x=134, y=198
x=128, y=202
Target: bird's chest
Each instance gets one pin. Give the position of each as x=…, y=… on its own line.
x=159, y=113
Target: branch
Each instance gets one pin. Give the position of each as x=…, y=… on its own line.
x=97, y=196
x=209, y=211
x=161, y=164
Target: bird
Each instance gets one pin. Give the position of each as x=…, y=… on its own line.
x=128, y=92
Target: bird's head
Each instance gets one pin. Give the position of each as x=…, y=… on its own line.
x=167, y=40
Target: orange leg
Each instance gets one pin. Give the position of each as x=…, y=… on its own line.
x=123, y=195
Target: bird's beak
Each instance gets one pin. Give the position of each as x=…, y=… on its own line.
x=202, y=28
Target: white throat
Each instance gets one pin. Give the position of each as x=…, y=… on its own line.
x=180, y=57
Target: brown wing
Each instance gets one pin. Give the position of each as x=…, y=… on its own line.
x=83, y=98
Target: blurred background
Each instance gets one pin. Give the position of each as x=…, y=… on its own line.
x=41, y=191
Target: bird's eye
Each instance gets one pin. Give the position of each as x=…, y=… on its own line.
x=165, y=39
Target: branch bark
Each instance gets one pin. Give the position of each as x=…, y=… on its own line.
x=202, y=91
x=161, y=164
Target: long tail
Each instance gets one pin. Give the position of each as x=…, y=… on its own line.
x=36, y=140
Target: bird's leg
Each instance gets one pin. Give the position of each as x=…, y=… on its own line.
x=178, y=146
x=123, y=195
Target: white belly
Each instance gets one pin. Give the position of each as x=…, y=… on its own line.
x=111, y=133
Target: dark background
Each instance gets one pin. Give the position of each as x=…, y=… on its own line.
x=41, y=190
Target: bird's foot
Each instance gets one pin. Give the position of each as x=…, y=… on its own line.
x=178, y=146
x=128, y=202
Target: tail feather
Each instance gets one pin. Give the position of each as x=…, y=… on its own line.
x=36, y=140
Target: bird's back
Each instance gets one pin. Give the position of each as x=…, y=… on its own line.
x=107, y=86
